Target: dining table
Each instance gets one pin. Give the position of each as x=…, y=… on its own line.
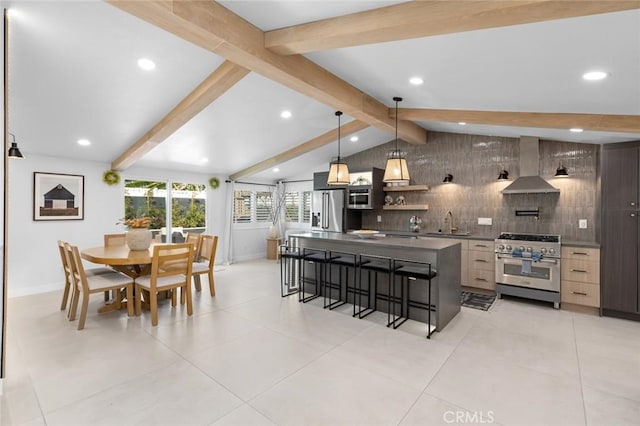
x=134, y=263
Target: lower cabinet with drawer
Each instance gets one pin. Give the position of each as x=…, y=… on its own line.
x=481, y=265
x=580, y=273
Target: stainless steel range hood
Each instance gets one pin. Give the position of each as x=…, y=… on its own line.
x=529, y=181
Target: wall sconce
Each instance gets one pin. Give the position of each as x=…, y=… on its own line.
x=14, y=151
x=448, y=178
x=504, y=175
x=561, y=171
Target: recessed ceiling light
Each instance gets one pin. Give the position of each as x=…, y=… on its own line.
x=575, y=130
x=275, y=170
x=462, y=123
x=285, y=114
x=84, y=142
x=416, y=81
x=204, y=160
x=146, y=64
x=594, y=75
x=354, y=139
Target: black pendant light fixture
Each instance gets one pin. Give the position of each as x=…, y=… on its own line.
x=561, y=171
x=504, y=174
x=14, y=151
x=396, y=170
x=338, y=171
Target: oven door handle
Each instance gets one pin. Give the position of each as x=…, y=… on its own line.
x=544, y=260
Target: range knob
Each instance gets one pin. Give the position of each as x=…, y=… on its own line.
x=521, y=248
x=529, y=249
x=552, y=251
x=501, y=247
x=543, y=250
x=509, y=247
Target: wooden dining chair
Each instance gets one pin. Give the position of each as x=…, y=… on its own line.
x=206, y=261
x=69, y=288
x=196, y=240
x=170, y=270
x=86, y=285
x=115, y=239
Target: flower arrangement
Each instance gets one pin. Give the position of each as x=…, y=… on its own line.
x=136, y=222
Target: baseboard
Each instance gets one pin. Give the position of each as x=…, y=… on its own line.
x=623, y=315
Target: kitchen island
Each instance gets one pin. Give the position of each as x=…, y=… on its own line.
x=444, y=256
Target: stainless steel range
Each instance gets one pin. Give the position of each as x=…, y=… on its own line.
x=528, y=265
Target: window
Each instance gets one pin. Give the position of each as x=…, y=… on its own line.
x=151, y=198
x=306, y=206
x=292, y=206
x=242, y=206
x=263, y=206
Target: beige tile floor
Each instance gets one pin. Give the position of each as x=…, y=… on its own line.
x=249, y=357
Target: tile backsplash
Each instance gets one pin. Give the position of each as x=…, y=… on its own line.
x=475, y=162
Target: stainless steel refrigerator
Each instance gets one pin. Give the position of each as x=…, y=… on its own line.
x=329, y=213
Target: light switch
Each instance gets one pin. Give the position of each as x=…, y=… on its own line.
x=379, y=218
x=582, y=223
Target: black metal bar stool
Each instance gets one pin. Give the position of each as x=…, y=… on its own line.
x=290, y=270
x=410, y=271
x=375, y=264
x=320, y=259
x=345, y=261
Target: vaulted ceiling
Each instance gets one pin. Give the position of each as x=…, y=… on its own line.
x=226, y=70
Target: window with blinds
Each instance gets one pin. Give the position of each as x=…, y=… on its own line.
x=263, y=206
x=306, y=206
x=242, y=205
x=292, y=206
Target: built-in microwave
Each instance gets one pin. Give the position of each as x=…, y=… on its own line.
x=360, y=197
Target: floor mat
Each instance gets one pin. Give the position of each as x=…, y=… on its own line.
x=477, y=300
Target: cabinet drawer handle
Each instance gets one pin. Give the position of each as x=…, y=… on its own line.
x=480, y=279
x=481, y=245
x=581, y=253
x=579, y=293
x=481, y=260
x=579, y=270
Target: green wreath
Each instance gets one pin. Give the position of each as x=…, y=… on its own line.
x=214, y=182
x=111, y=177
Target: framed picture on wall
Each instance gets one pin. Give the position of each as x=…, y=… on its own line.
x=58, y=196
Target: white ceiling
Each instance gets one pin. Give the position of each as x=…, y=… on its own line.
x=73, y=74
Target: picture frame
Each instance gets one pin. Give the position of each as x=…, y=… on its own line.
x=58, y=196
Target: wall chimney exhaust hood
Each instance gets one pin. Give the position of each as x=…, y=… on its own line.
x=529, y=181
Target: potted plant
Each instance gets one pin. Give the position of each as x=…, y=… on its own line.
x=138, y=236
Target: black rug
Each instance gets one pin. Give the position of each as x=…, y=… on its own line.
x=476, y=300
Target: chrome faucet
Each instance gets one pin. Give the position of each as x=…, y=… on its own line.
x=449, y=218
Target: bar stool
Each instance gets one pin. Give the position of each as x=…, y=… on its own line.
x=376, y=264
x=410, y=271
x=344, y=260
x=290, y=271
x=320, y=258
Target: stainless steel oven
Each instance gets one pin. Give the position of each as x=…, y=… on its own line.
x=528, y=265
x=360, y=197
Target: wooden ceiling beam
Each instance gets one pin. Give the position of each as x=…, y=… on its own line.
x=215, y=28
x=593, y=122
x=317, y=142
x=417, y=19
x=217, y=83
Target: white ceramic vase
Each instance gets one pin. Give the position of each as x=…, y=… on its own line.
x=273, y=231
x=139, y=238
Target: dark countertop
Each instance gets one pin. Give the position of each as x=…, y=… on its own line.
x=585, y=244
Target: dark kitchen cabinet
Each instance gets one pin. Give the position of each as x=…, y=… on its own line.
x=620, y=230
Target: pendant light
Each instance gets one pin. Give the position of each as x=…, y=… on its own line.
x=396, y=170
x=339, y=171
x=14, y=151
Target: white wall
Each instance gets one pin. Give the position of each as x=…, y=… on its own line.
x=33, y=260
